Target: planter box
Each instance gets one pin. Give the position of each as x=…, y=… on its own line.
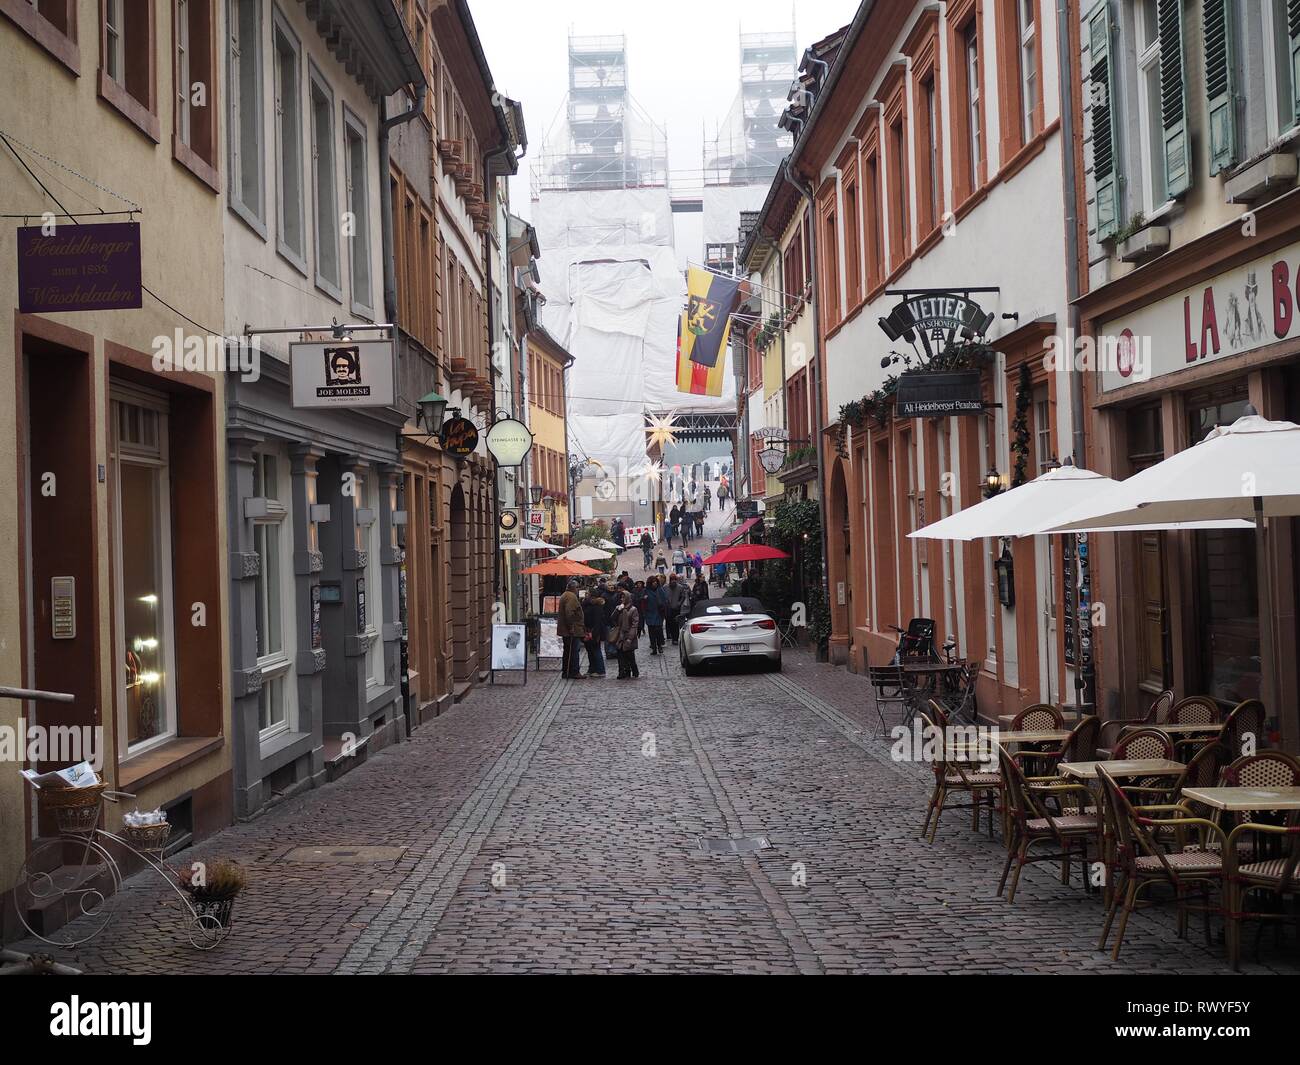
x=1145, y=244
x=1269, y=177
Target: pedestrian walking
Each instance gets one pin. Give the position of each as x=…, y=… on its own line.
x=638, y=601
x=699, y=590
x=613, y=598
x=661, y=567
x=593, y=619
x=572, y=632
x=647, y=545
x=668, y=533
x=708, y=499
x=656, y=607
x=678, y=597
x=699, y=565
x=629, y=621
x=679, y=561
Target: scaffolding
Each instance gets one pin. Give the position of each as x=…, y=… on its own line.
x=748, y=145
x=603, y=139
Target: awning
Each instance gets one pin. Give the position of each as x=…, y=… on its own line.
x=739, y=531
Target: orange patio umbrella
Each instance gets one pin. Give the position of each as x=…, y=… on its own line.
x=560, y=567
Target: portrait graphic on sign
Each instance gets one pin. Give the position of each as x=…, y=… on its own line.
x=342, y=366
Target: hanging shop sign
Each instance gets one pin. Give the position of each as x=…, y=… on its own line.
x=746, y=508
x=79, y=267
x=509, y=528
x=508, y=441
x=343, y=373
x=459, y=436
x=937, y=320
x=536, y=519
x=929, y=394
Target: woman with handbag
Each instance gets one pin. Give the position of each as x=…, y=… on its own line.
x=629, y=623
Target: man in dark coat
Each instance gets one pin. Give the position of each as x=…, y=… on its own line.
x=572, y=632
x=593, y=620
x=678, y=600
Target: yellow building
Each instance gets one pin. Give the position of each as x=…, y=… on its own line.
x=112, y=457
x=549, y=460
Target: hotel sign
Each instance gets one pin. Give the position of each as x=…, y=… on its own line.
x=79, y=268
x=1249, y=307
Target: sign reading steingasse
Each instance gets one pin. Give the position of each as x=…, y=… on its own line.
x=93, y=267
x=342, y=373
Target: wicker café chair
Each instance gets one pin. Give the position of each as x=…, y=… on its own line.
x=1194, y=710
x=1279, y=875
x=1267, y=769
x=1243, y=728
x=1157, y=714
x=1141, y=861
x=1142, y=743
x=952, y=773
x=1031, y=820
x=1040, y=717
x=1201, y=772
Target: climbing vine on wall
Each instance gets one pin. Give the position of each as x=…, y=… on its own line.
x=1020, y=427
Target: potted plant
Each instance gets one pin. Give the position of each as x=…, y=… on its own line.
x=213, y=887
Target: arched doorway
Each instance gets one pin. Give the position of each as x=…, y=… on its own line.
x=839, y=560
x=462, y=647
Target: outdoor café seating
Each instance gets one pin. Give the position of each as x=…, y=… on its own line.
x=1157, y=714
x=953, y=772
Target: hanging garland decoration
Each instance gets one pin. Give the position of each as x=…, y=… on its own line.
x=1020, y=427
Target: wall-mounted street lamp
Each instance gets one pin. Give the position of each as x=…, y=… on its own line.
x=433, y=409
x=535, y=494
x=994, y=482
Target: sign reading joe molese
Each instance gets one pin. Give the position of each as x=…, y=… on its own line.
x=79, y=267
x=342, y=373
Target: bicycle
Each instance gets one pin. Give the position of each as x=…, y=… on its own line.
x=87, y=887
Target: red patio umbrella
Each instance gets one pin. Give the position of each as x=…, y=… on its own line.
x=560, y=567
x=744, y=553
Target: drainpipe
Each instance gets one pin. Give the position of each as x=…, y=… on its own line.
x=390, y=307
x=805, y=193
x=1084, y=674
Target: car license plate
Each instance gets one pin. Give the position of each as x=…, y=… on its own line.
x=732, y=648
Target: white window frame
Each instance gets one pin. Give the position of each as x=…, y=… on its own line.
x=1150, y=128
x=935, y=192
x=114, y=44
x=181, y=15
x=285, y=47
x=1274, y=37
x=238, y=53
x=971, y=45
x=332, y=286
x=277, y=666
x=1028, y=34
x=355, y=133
x=156, y=457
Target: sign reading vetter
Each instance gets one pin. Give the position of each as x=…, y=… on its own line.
x=937, y=319
x=922, y=394
x=79, y=268
x=342, y=373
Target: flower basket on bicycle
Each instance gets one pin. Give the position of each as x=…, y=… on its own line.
x=75, y=810
x=148, y=839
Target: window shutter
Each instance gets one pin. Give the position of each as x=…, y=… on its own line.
x=1105, y=169
x=1173, y=97
x=1217, y=20
x=1293, y=29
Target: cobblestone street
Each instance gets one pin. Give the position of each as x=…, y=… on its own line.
x=556, y=827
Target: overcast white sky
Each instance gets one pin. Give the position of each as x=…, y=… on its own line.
x=683, y=58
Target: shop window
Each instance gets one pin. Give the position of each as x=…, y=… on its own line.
x=275, y=639
x=324, y=186
x=368, y=541
x=244, y=110
x=356, y=159
x=126, y=61
x=290, y=233
x=142, y=592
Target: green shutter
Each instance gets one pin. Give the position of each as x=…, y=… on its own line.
x=1105, y=164
x=1217, y=20
x=1293, y=29
x=1173, y=98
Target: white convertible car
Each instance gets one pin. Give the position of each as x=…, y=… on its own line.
x=727, y=629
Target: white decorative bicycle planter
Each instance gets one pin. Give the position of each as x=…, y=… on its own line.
x=76, y=871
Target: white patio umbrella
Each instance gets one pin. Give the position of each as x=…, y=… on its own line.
x=1239, y=475
x=525, y=544
x=607, y=545
x=585, y=553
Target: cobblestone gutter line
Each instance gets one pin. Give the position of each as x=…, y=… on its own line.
x=877, y=748
x=801, y=950
x=397, y=935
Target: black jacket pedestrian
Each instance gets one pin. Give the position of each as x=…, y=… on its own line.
x=593, y=616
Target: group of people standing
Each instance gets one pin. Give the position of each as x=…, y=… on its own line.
x=683, y=523
x=610, y=619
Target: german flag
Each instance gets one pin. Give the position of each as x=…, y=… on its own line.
x=703, y=331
